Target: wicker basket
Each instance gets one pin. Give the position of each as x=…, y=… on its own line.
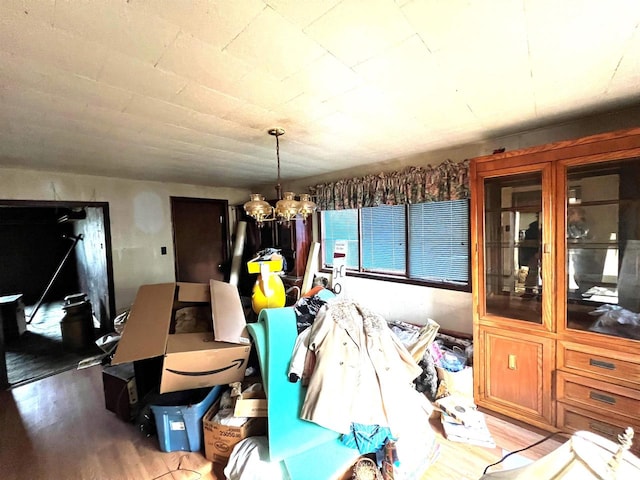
x=366, y=469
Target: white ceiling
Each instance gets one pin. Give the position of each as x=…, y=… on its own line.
x=185, y=91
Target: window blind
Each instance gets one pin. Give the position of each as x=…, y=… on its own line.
x=384, y=239
x=439, y=241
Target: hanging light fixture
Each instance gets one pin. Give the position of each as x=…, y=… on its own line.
x=287, y=207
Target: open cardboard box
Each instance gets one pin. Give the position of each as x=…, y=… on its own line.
x=192, y=359
x=219, y=440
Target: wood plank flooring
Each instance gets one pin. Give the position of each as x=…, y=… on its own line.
x=58, y=428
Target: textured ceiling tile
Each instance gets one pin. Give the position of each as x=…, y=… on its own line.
x=139, y=77
x=591, y=39
x=457, y=22
x=204, y=100
x=492, y=83
x=215, y=22
x=280, y=54
x=21, y=36
x=13, y=117
x=119, y=27
x=412, y=80
x=368, y=101
x=252, y=116
x=302, y=13
x=262, y=89
x=326, y=77
x=54, y=122
x=405, y=63
x=185, y=91
x=627, y=74
x=158, y=111
x=50, y=105
x=128, y=124
x=20, y=71
x=89, y=92
x=202, y=63
x=36, y=9
x=222, y=128
x=354, y=30
x=26, y=74
x=303, y=109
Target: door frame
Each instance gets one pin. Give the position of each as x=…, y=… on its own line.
x=104, y=206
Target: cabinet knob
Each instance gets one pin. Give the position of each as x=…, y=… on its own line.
x=512, y=362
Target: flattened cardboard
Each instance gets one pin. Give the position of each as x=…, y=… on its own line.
x=191, y=360
x=251, y=404
x=147, y=327
x=229, y=324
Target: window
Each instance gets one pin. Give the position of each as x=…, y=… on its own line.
x=340, y=225
x=423, y=243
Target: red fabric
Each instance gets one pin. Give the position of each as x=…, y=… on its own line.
x=313, y=291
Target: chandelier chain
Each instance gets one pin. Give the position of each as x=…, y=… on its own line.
x=279, y=185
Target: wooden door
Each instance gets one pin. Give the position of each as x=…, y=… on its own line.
x=200, y=238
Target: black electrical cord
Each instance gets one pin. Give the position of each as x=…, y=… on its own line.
x=179, y=469
x=548, y=437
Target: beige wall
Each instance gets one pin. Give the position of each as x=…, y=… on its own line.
x=140, y=218
x=412, y=303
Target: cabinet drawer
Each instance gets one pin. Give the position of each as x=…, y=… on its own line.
x=597, y=394
x=599, y=361
x=572, y=419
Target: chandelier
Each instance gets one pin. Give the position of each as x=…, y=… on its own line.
x=287, y=207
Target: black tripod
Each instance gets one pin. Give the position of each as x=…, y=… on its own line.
x=75, y=239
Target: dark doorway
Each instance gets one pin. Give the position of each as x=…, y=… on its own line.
x=48, y=251
x=200, y=238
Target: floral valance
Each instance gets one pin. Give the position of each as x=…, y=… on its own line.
x=447, y=181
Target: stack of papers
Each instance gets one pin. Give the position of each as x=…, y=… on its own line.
x=462, y=422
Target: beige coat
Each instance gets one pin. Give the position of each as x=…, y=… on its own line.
x=363, y=374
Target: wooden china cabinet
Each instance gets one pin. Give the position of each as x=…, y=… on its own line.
x=556, y=283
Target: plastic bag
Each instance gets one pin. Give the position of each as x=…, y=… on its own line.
x=453, y=359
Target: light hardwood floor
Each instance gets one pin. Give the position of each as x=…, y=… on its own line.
x=58, y=428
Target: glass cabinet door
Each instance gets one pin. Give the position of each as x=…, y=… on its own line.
x=512, y=246
x=603, y=248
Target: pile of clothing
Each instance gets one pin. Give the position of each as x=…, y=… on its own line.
x=347, y=389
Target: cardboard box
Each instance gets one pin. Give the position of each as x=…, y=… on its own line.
x=219, y=440
x=189, y=359
x=250, y=399
x=251, y=404
x=13, y=317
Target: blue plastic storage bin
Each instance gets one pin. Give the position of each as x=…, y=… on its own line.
x=180, y=426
